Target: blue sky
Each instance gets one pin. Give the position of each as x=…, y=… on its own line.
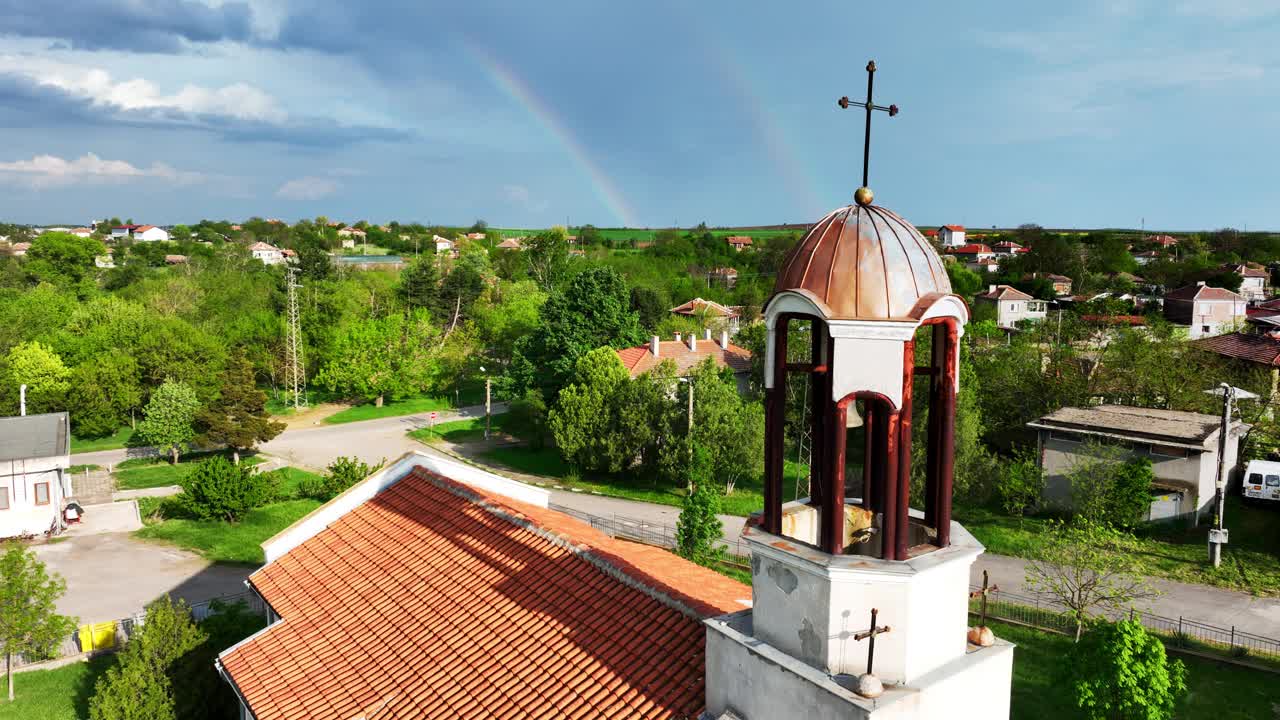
x=1087, y=114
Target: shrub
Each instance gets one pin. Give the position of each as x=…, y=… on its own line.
x=698, y=530
x=527, y=419
x=341, y=474
x=1020, y=484
x=217, y=490
x=1120, y=672
x=1129, y=498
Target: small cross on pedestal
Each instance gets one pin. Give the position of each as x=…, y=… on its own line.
x=864, y=195
x=868, y=684
x=982, y=635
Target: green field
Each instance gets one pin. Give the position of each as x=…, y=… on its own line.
x=143, y=473
x=1218, y=691
x=121, y=438
x=1250, y=563
x=59, y=694
x=226, y=542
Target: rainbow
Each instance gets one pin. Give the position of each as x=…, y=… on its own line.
x=519, y=91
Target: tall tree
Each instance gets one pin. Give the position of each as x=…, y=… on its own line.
x=29, y=622
x=548, y=256
x=419, y=287
x=104, y=389
x=698, y=529
x=37, y=366
x=169, y=418
x=144, y=684
x=238, y=416
x=580, y=419
x=62, y=258
x=375, y=359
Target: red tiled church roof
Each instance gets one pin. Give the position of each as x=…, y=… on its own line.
x=639, y=360
x=433, y=600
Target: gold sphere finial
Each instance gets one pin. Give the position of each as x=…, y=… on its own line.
x=863, y=196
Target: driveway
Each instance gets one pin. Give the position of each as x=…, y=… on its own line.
x=112, y=576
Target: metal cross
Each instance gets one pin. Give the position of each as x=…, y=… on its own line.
x=871, y=635
x=844, y=103
x=983, y=593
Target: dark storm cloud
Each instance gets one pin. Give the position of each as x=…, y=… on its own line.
x=144, y=26
x=26, y=104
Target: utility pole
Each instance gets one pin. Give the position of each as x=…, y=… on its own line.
x=1218, y=533
x=295, y=370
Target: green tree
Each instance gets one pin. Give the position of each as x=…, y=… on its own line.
x=238, y=416
x=63, y=258
x=37, y=366
x=142, y=685
x=527, y=418
x=1088, y=568
x=1129, y=501
x=728, y=429
x=169, y=417
x=341, y=474
x=1020, y=483
x=548, y=256
x=1121, y=672
x=419, y=286
x=217, y=490
x=132, y=692
x=649, y=306
x=103, y=390
x=377, y=358
x=314, y=263
x=964, y=282
x=29, y=622
x=698, y=529
x=580, y=419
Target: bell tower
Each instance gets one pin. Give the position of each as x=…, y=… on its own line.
x=863, y=344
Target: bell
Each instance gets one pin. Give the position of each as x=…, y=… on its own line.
x=851, y=417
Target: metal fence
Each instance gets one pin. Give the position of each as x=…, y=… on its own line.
x=111, y=635
x=1180, y=631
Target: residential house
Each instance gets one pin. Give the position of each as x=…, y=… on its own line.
x=150, y=233
x=351, y=232
x=687, y=353
x=985, y=265
x=20, y=249
x=267, y=254
x=1205, y=310
x=120, y=232
x=289, y=255
x=1254, y=280
x=931, y=234
x=1147, y=257
x=1008, y=248
x=951, y=236
x=1182, y=448
x=739, y=242
x=444, y=246
x=35, y=481
x=973, y=252
x=711, y=314
x=475, y=236
x=726, y=276
x=1061, y=283
x=434, y=589
x=1009, y=305
x=1164, y=241
x=82, y=232
x=514, y=243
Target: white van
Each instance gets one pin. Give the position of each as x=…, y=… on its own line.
x=1262, y=481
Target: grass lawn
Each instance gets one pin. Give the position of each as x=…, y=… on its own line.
x=291, y=478
x=224, y=542
x=1251, y=562
x=1218, y=691
x=458, y=431
x=59, y=694
x=143, y=473
x=121, y=438
x=470, y=395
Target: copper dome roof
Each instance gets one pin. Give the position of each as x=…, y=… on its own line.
x=864, y=262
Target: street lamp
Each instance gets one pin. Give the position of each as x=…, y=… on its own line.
x=1218, y=533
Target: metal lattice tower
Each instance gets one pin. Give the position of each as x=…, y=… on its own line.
x=295, y=367
x=804, y=450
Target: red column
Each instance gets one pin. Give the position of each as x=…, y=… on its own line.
x=887, y=454
x=937, y=347
x=903, y=477
x=832, y=526
x=947, y=432
x=820, y=410
x=775, y=429
x=870, y=420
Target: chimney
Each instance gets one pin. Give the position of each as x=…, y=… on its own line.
x=724, y=339
x=653, y=345
x=706, y=334
x=677, y=337
x=693, y=342
x=992, y=288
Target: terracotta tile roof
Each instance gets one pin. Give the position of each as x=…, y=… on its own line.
x=144, y=228
x=1261, y=349
x=432, y=600
x=738, y=240
x=1202, y=292
x=1005, y=292
x=1249, y=271
x=930, y=233
x=697, y=305
x=954, y=228
x=1135, y=320
x=263, y=246
x=639, y=360
x=970, y=249
x=1006, y=244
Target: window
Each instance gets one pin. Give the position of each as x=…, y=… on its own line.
x=1255, y=478
x=4, y=497
x=1273, y=481
x=1205, y=328
x=1168, y=451
x=42, y=493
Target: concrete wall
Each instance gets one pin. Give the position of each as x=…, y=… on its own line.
x=18, y=479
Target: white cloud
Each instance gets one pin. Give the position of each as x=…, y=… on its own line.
x=237, y=100
x=44, y=171
x=520, y=195
x=309, y=187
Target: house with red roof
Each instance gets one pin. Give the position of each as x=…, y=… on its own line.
x=739, y=242
x=951, y=235
x=1008, y=248
x=433, y=589
x=1205, y=310
x=266, y=253
x=1147, y=256
x=1008, y=306
x=1254, y=280
x=985, y=265
x=711, y=313
x=687, y=352
x=972, y=252
x=514, y=243
x=1164, y=241
x=726, y=276
x=150, y=233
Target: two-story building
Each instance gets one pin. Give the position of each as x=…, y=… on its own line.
x=1182, y=447
x=1205, y=310
x=1009, y=306
x=972, y=252
x=266, y=254
x=34, y=480
x=951, y=236
x=1253, y=281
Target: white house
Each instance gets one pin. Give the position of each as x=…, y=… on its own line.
x=1011, y=305
x=443, y=245
x=82, y=232
x=268, y=254
x=1205, y=310
x=351, y=232
x=348, y=243
x=951, y=235
x=150, y=233
x=119, y=232
x=34, y=479
x=1253, y=281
